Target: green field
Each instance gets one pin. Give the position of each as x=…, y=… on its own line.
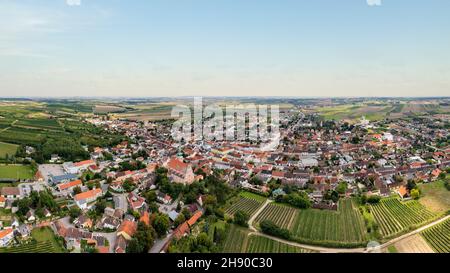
x=7, y=149
x=45, y=242
x=236, y=240
x=394, y=216
x=48, y=124
x=438, y=237
x=16, y=172
x=281, y=215
x=344, y=228
x=246, y=202
x=259, y=244
x=435, y=196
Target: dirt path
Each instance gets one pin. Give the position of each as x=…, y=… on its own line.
x=250, y=221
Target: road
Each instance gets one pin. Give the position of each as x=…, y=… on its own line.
x=159, y=244
x=335, y=250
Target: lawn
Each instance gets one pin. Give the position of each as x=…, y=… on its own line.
x=259, y=244
x=7, y=149
x=435, y=196
x=45, y=234
x=16, y=172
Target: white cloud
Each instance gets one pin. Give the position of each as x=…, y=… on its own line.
x=374, y=2
x=73, y=2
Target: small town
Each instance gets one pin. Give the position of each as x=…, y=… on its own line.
x=149, y=193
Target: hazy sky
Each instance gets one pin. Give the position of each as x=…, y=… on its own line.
x=224, y=47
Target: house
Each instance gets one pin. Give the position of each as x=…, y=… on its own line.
x=10, y=193
x=127, y=229
x=180, y=172
x=6, y=236
x=2, y=202
x=403, y=192
x=55, y=180
x=82, y=199
x=83, y=221
x=24, y=231
x=435, y=174
x=74, y=168
x=109, y=222
x=135, y=201
x=46, y=213
x=121, y=244
x=30, y=216
x=69, y=186
x=145, y=218
x=164, y=198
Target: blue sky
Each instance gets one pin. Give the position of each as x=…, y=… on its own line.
x=224, y=47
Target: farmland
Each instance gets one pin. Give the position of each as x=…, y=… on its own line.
x=438, y=237
x=236, y=240
x=16, y=172
x=281, y=215
x=342, y=228
x=259, y=244
x=394, y=217
x=7, y=149
x=435, y=196
x=246, y=202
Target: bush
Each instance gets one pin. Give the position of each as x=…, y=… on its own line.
x=373, y=199
x=241, y=218
x=271, y=228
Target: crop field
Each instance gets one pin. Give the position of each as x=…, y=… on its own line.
x=259, y=244
x=394, y=216
x=47, y=124
x=246, y=204
x=438, y=237
x=281, y=215
x=343, y=227
x=22, y=136
x=236, y=240
x=16, y=172
x=412, y=244
x=7, y=149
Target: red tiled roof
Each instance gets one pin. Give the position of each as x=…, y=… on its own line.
x=129, y=227
x=177, y=165
x=87, y=194
x=194, y=218
x=5, y=232
x=85, y=162
x=69, y=185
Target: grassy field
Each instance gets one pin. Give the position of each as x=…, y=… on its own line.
x=45, y=243
x=435, y=196
x=438, y=237
x=16, y=172
x=342, y=228
x=394, y=216
x=246, y=202
x=7, y=149
x=259, y=244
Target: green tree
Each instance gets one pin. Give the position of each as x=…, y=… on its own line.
x=161, y=224
x=241, y=218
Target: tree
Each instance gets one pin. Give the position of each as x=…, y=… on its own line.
x=100, y=207
x=271, y=228
x=342, y=187
x=415, y=194
x=179, y=220
x=128, y=185
x=74, y=212
x=241, y=218
x=161, y=224
x=76, y=190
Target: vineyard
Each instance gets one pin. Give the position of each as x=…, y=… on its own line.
x=236, y=240
x=283, y=216
x=438, y=237
x=394, y=216
x=247, y=204
x=35, y=247
x=344, y=228
x=259, y=244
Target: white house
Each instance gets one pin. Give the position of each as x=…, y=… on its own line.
x=6, y=236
